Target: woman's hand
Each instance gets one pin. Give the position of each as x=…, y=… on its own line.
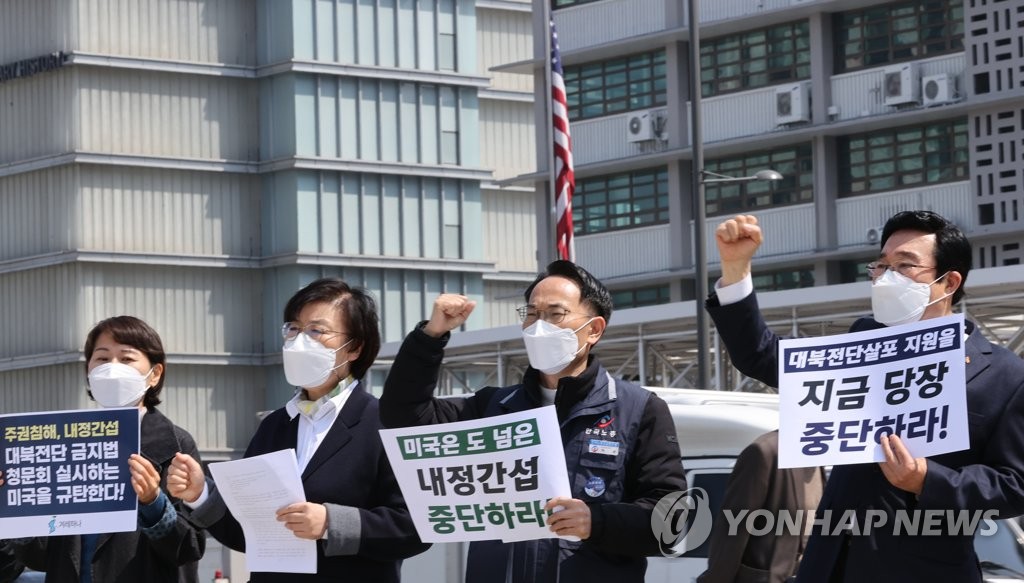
x=185, y=478
x=145, y=478
x=305, y=519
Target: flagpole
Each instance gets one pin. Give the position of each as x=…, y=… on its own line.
x=551, y=194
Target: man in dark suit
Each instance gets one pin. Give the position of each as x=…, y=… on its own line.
x=920, y=273
x=757, y=483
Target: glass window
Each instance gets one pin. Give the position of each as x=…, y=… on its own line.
x=729, y=198
x=851, y=270
x=620, y=201
x=645, y=296
x=446, y=52
x=449, y=147
x=898, y=32
x=556, y=4
x=755, y=58
x=785, y=279
x=614, y=86
x=902, y=158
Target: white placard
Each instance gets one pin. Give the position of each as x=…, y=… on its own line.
x=839, y=394
x=483, y=479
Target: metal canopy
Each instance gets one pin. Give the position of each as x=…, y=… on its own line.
x=656, y=345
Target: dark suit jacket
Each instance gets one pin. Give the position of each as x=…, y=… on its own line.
x=987, y=476
x=756, y=483
x=350, y=470
x=10, y=567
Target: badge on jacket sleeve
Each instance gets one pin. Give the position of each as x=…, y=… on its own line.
x=594, y=487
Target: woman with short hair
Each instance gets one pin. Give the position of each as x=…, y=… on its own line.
x=354, y=508
x=126, y=364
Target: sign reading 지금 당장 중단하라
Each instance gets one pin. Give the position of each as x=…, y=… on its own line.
x=66, y=472
x=483, y=479
x=839, y=394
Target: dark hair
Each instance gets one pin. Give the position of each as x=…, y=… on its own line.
x=139, y=335
x=952, y=249
x=360, y=315
x=592, y=291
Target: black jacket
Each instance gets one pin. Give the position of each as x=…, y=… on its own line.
x=350, y=472
x=10, y=566
x=131, y=557
x=647, y=467
x=987, y=476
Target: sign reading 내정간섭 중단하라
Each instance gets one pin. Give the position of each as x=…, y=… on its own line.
x=483, y=479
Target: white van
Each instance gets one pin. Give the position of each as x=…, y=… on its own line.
x=713, y=427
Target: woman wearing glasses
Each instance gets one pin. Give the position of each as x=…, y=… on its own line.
x=125, y=362
x=354, y=507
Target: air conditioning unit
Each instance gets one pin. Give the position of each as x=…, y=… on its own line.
x=938, y=89
x=901, y=84
x=792, y=104
x=640, y=126
x=874, y=235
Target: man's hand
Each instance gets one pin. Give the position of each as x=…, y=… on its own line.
x=450, y=312
x=738, y=238
x=572, y=519
x=902, y=469
x=145, y=478
x=305, y=519
x=185, y=479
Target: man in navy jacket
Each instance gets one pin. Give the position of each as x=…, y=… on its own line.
x=614, y=487
x=924, y=256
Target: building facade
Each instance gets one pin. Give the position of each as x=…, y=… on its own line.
x=866, y=107
x=194, y=163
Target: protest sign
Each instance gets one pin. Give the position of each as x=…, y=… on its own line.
x=839, y=394
x=66, y=472
x=484, y=479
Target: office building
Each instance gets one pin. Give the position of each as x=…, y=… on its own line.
x=865, y=107
x=194, y=163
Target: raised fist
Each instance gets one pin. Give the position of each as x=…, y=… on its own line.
x=450, y=312
x=738, y=238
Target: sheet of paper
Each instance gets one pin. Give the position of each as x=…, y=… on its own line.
x=254, y=489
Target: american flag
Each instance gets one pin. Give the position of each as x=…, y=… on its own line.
x=565, y=180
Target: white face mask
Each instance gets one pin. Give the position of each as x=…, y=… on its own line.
x=113, y=384
x=551, y=348
x=896, y=299
x=307, y=363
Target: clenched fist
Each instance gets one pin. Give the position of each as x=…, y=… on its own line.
x=185, y=479
x=450, y=312
x=738, y=238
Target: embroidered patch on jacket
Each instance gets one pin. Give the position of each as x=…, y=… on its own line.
x=594, y=487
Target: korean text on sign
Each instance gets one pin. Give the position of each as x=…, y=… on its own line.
x=66, y=472
x=483, y=479
x=838, y=395
x=485, y=440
